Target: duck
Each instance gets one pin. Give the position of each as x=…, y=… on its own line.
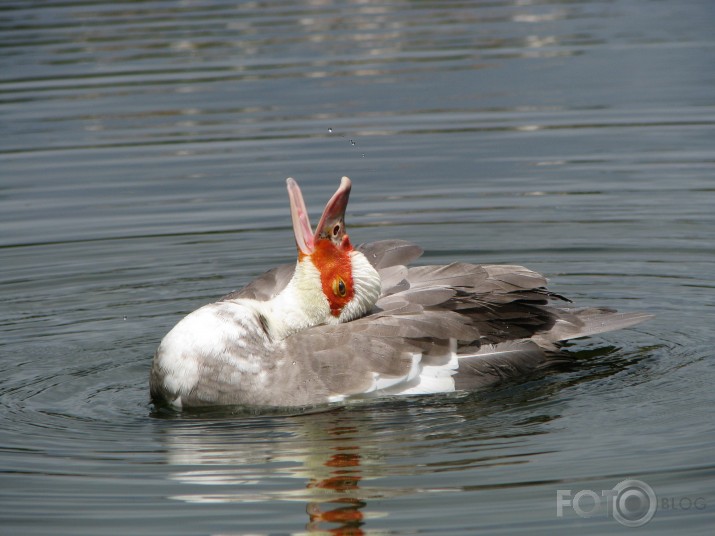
x=346, y=323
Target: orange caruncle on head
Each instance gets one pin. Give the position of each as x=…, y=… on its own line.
x=335, y=267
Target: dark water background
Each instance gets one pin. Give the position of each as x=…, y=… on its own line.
x=143, y=149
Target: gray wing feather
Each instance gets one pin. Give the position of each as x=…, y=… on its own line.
x=498, y=314
x=495, y=363
x=385, y=253
x=393, y=279
x=572, y=323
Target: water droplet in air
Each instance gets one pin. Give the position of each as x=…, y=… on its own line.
x=352, y=142
x=363, y=155
x=294, y=362
x=330, y=130
x=125, y=317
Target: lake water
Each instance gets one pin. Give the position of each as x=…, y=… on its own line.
x=143, y=152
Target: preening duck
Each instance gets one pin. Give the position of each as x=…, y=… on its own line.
x=350, y=322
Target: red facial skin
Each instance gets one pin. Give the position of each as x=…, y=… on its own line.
x=334, y=265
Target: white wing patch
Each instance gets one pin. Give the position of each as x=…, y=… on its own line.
x=384, y=384
x=421, y=379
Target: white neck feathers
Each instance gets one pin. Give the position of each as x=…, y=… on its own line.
x=302, y=304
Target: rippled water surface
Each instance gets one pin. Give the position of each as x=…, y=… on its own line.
x=143, y=149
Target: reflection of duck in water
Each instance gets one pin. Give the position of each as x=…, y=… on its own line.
x=350, y=322
x=319, y=462
x=344, y=481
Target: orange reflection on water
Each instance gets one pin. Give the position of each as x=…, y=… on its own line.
x=345, y=476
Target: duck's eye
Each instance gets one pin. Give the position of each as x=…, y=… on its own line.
x=339, y=288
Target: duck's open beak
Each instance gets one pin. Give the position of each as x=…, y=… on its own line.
x=332, y=222
x=301, y=223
